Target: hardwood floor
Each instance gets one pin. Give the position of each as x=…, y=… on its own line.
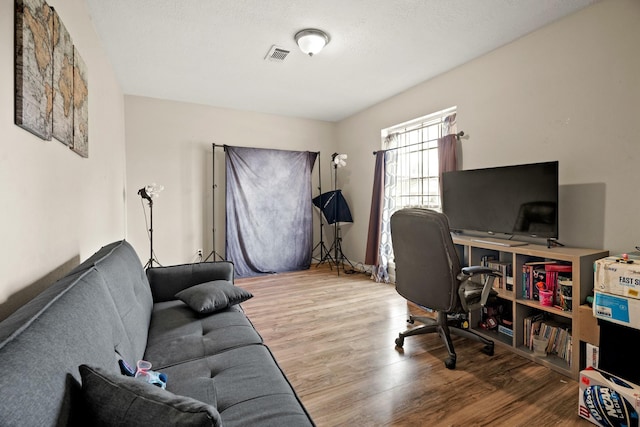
x=334, y=338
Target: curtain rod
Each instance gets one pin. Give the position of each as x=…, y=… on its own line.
x=214, y=145
x=458, y=136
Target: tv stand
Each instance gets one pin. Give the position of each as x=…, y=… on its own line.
x=510, y=294
x=498, y=242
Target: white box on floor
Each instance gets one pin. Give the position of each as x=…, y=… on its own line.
x=606, y=400
x=592, y=355
x=617, y=277
x=617, y=309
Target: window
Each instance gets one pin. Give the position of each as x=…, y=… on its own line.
x=411, y=176
x=414, y=153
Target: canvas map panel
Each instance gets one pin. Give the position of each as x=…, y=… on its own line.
x=62, y=82
x=34, y=67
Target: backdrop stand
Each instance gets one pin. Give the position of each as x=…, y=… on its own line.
x=213, y=254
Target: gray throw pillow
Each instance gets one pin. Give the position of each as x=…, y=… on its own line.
x=118, y=400
x=210, y=297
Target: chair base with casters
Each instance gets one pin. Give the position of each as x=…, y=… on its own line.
x=443, y=325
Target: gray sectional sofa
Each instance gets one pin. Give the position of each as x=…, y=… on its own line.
x=60, y=353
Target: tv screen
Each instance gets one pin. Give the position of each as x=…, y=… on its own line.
x=514, y=200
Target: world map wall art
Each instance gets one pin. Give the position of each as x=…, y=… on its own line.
x=51, y=93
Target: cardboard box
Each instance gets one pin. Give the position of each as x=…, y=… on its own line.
x=617, y=309
x=592, y=355
x=589, y=329
x=617, y=277
x=606, y=400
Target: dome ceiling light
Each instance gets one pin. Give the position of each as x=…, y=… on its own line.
x=311, y=41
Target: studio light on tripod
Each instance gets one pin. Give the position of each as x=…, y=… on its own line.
x=148, y=193
x=336, y=211
x=334, y=207
x=339, y=160
x=151, y=191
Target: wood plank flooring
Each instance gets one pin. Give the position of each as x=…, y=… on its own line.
x=334, y=336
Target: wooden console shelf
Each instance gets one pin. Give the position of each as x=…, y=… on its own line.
x=471, y=252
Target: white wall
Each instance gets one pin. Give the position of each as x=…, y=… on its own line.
x=568, y=92
x=58, y=208
x=170, y=143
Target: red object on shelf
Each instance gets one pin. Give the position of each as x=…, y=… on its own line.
x=552, y=271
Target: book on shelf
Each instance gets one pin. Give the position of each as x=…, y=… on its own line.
x=531, y=273
x=545, y=274
x=531, y=328
x=505, y=269
x=554, y=272
x=559, y=335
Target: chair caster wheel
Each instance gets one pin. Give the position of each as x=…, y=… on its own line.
x=399, y=342
x=411, y=321
x=488, y=349
x=450, y=363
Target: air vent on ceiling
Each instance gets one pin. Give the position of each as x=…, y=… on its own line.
x=276, y=54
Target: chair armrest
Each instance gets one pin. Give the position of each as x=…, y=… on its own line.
x=478, y=269
x=469, y=291
x=165, y=282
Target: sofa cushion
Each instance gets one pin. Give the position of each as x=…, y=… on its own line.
x=213, y=296
x=167, y=281
x=73, y=322
x=250, y=387
x=178, y=334
x=118, y=400
x=127, y=282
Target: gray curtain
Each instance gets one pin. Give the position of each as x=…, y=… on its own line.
x=269, y=210
x=387, y=170
x=375, y=217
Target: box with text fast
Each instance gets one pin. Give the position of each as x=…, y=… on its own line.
x=618, y=276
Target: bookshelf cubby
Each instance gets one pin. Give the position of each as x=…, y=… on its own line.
x=472, y=252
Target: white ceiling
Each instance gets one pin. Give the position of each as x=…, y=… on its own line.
x=212, y=51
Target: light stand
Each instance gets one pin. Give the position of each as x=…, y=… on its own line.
x=324, y=252
x=339, y=160
x=148, y=193
x=336, y=210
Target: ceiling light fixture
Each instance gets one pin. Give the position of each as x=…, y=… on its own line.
x=311, y=41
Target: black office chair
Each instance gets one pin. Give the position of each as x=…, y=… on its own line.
x=428, y=274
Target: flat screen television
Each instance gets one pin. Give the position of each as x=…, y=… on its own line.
x=514, y=200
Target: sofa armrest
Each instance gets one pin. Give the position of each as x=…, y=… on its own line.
x=165, y=282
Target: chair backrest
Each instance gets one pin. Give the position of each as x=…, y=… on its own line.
x=426, y=260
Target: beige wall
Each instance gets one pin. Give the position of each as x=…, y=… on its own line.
x=170, y=143
x=568, y=92
x=58, y=208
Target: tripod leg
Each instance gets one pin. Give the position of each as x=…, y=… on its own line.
x=327, y=257
x=340, y=256
x=213, y=256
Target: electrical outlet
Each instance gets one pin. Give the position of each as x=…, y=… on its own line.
x=200, y=253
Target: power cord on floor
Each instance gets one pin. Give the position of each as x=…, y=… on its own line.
x=360, y=268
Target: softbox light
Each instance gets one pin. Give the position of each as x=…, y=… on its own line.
x=333, y=206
